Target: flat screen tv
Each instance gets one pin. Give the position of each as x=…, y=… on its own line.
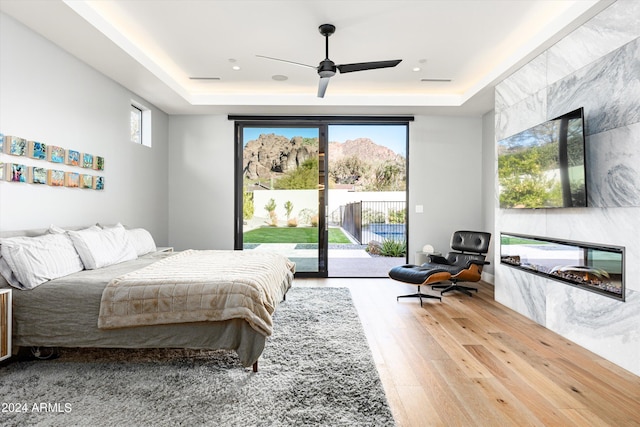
x=544, y=167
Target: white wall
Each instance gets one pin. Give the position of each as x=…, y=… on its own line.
x=201, y=188
x=445, y=170
x=49, y=96
x=201, y=185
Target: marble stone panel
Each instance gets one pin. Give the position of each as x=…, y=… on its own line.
x=608, y=89
x=521, y=116
x=521, y=221
x=521, y=291
x=609, y=226
x=603, y=325
x=613, y=167
x=525, y=82
x=609, y=30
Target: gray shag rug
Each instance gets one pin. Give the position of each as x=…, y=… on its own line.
x=316, y=369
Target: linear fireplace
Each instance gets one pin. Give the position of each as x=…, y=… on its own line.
x=588, y=266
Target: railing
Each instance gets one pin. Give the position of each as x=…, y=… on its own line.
x=375, y=220
x=352, y=219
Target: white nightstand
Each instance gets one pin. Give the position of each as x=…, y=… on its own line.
x=5, y=323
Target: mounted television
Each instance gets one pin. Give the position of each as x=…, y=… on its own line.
x=544, y=167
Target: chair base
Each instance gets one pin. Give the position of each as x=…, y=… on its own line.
x=419, y=295
x=455, y=287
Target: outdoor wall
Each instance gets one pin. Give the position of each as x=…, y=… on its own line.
x=49, y=96
x=595, y=67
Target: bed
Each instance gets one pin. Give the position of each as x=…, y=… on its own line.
x=65, y=311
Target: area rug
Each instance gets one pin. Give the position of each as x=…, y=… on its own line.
x=316, y=369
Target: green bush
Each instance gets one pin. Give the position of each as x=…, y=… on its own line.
x=370, y=216
x=393, y=248
x=397, y=216
x=247, y=205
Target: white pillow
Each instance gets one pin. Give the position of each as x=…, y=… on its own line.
x=35, y=260
x=142, y=241
x=102, y=247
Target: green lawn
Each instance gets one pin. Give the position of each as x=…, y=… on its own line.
x=292, y=235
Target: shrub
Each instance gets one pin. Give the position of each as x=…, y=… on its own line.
x=393, y=248
x=305, y=216
x=370, y=216
x=247, y=205
x=293, y=222
x=397, y=216
x=314, y=221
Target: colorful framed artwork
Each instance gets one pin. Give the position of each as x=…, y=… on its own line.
x=2, y=175
x=55, y=178
x=98, y=163
x=38, y=175
x=17, y=173
x=86, y=181
x=15, y=146
x=87, y=161
x=37, y=150
x=1, y=143
x=73, y=158
x=98, y=183
x=55, y=154
x=72, y=179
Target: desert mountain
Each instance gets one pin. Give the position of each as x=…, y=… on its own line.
x=362, y=148
x=271, y=155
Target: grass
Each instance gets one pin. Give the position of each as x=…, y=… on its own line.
x=292, y=235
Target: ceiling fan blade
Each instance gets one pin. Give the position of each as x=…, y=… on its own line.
x=322, y=86
x=361, y=66
x=289, y=62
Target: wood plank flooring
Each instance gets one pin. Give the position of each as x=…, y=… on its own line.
x=470, y=361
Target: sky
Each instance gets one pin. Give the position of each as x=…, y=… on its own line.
x=391, y=136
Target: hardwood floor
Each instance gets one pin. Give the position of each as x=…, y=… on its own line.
x=470, y=361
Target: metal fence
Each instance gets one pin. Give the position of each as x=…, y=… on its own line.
x=379, y=221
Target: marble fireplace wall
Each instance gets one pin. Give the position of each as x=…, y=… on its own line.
x=597, y=67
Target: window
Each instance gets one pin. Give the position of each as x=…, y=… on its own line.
x=140, y=118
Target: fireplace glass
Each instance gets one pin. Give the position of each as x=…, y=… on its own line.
x=588, y=266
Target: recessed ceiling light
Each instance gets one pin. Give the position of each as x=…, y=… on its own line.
x=236, y=67
x=422, y=61
x=416, y=68
x=204, y=78
x=435, y=80
x=232, y=60
x=279, y=78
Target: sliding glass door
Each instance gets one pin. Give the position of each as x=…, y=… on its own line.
x=280, y=197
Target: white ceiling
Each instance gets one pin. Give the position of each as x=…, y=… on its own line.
x=152, y=47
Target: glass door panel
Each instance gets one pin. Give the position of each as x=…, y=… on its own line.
x=283, y=194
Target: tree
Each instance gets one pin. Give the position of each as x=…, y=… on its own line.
x=348, y=170
x=389, y=176
x=288, y=207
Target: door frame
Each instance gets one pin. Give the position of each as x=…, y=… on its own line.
x=322, y=123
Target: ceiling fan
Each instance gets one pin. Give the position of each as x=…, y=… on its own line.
x=327, y=68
